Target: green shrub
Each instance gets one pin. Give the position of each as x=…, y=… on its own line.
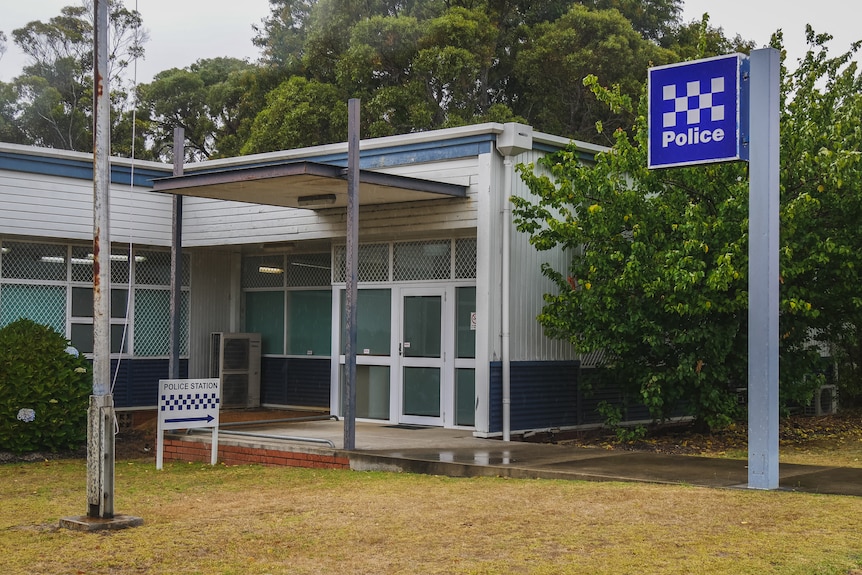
x=44, y=390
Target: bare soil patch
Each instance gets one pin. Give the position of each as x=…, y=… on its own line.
x=797, y=434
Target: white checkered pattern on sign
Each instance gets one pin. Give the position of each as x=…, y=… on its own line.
x=693, y=95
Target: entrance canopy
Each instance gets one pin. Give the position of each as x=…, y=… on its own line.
x=308, y=185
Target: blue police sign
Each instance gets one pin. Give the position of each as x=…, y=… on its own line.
x=698, y=112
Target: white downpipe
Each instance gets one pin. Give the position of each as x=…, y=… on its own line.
x=508, y=164
x=515, y=139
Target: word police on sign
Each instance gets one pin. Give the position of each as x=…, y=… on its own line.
x=698, y=112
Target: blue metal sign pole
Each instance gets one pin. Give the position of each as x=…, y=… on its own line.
x=763, y=271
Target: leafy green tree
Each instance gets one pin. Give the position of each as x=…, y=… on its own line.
x=299, y=113
x=658, y=277
x=821, y=175
x=10, y=127
x=53, y=95
x=281, y=36
x=426, y=64
x=559, y=55
x=697, y=39
x=653, y=19
x=204, y=99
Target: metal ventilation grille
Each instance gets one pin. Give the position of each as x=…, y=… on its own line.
x=234, y=390
x=593, y=359
x=235, y=352
x=33, y=261
x=263, y=271
x=465, y=258
x=430, y=260
x=309, y=270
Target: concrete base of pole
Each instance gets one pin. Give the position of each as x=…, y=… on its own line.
x=84, y=523
x=100, y=457
x=100, y=473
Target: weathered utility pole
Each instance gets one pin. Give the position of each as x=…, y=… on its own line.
x=352, y=272
x=176, y=259
x=100, y=428
x=100, y=415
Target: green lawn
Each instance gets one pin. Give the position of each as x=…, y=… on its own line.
x=253, y=520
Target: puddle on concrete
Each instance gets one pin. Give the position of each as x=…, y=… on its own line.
x=476, y=458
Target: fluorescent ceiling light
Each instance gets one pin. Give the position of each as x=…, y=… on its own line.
x=318, y=200
x=270, y=270
x=121, y=258
x=88, y=260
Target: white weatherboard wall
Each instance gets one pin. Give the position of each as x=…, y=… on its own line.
x=39, y=205
x=217, y=222
x=42, y=205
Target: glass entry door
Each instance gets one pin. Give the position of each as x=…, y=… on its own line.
x=422, y=356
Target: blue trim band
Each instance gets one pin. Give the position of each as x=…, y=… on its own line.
x=77, y=169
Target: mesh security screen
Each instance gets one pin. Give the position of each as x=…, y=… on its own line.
x=465, y=258
x=430, y=260
x=309, y=270
x=37, y=279
x=263, y=271
x=373, y=264
x=411, y=261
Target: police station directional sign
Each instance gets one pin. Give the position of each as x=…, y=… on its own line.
x=698, y=112
x=187, y=404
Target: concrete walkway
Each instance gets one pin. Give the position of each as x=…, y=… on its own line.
x=457, y=453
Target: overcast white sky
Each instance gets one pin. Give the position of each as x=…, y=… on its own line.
x=183, y=31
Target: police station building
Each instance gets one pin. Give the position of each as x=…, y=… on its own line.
x=263, y=283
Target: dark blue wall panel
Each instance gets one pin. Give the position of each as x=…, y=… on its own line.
x=137, y=381
x=295, y=381
x=546, y=394
x=543, y=394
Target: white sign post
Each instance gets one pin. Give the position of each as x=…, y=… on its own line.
x=187, y=404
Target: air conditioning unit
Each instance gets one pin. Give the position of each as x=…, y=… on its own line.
x=825, y=401
x=235, y=360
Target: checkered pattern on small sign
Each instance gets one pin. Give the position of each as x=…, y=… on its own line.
x=189, y=402
x=692, y=102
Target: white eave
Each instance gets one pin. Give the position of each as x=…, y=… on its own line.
x=304, y=184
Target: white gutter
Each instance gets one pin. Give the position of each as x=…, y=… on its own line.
x=515, y=139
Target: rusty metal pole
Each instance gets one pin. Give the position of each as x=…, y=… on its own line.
x=100, y=420
x=352, y=273
x=176, y=259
